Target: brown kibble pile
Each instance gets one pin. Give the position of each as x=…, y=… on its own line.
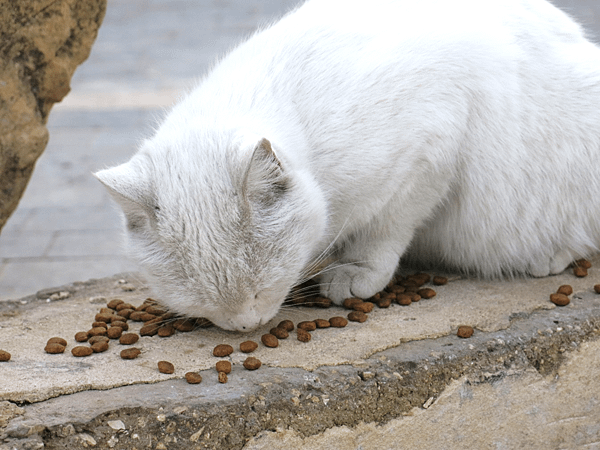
x=81, y=336
x=130, y=353
x=287, y=325
x=439, y=281
x=54, y=348
x=279, y=333
x=222, y=377
x=193, y=378
x=322, y=323
x=565, y=289
x=303, y=335
x=128, y=338
x=114, y=332
x=95, y=339
x=248, y=346
x=166, y=367
x=364, y=307
x=166, y=330
x=357, y=316
x=81, y=350
x=99, y=347
x=308, y=325
x=223, y=366
x=222, y=350
x=559, y=299
x=252, y=363
x=57, y=340
x=4, y=356
x=465, y=331
x=269, y=340
x=338, y=322
x=426, y=293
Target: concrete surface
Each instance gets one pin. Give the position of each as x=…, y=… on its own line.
x=528, y=378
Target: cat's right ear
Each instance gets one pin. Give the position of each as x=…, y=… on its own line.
x=132, y=192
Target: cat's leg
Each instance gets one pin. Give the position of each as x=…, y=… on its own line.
x=551, y=266
x=363, y=271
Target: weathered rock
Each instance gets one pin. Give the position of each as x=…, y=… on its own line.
x=41, y=44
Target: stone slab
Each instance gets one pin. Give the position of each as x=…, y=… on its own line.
x=33, y=375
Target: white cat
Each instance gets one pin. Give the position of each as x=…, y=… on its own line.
x=464, y=133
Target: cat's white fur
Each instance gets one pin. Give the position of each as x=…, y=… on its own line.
x=464, y=133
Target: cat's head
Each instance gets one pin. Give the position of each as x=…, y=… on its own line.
x=220, y=223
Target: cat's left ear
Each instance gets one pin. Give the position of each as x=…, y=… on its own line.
x=265, y=178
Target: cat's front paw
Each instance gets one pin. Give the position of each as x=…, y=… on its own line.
x=351, y=280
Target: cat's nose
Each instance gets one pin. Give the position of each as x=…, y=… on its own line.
x=246, y=320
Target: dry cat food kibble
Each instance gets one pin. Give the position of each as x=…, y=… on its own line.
x=114, y=332
x=403, y=299
x=565, y=289
x=222, y=377
x=365, y=307
x=597, y=288
x=149, y=330
x=279, y=333
x=303, y=335
x=99, y=347
x=287, y=325
x=113, y=304
x=222, y=350
x=252, y=363
x=57, y=340
x=130, y=353
x=54, y=348
x=81, y=350
x=128, y=338
x=166, y=330
x=184, y=325
x=223, y=366
x=357, y=316
x=426, y=293
x=248, y=346
x=95, y=339
x=123, y=306
x=559, y=299
x=99, y=324
x=98, y=331
x=439, y=281
x=307, y=325
x=136, y=316
x=580, y=272
x=4, y=356
x=338, y=322
x=350, y=303
x=269, y=340
x=81, y=336
x=322, y=323
x=465, y=331
x=583, y=263
x=193, y=378
x=125, y=313
x=166, y=367
x=384, y=302
x=103, y=317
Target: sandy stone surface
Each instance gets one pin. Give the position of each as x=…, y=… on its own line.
x=33, y=375
x=41, y=44
x=524, y=411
